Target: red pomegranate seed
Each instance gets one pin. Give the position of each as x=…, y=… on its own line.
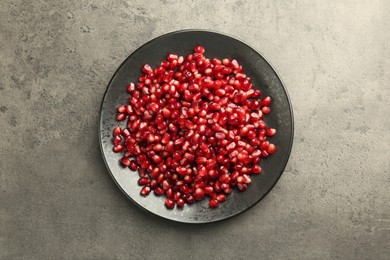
x=125, y=161
x=270, y=132
x=117, y=131
x=265, y=101
x=126, y=132
x=117, y=139
x=265, y=110
x=256, y=169
x=145, y=191
x=121, y=116
x=159, y=191
x=271, y=149
x=133, y=165
x=264, y=154
x=221, y=197
x=199, y=49
x=208, y=189
x=241, y=186
x=143, y=181
x=118, y=148
x=131, y=88
x=147, y=69
x=180, y=202
x=153, y=184
x=169, y=203
x=199, y=194
x=189, y=198
x=213, y=203
x=122, y=109
x=195, y=129
x=169, y=193
x=166, y=185
x=228, y=190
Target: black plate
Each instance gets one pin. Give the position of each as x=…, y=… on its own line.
x=263, y=76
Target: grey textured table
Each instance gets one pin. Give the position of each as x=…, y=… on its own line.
x=57, y=200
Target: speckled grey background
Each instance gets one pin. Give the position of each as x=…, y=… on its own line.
x=57, y=200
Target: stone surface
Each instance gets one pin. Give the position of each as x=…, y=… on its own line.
x=57, y=200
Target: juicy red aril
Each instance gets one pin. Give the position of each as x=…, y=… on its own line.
x=117, y=139
x=270, y=132
x=143, y=181
x=256, y=169
x=122, y=109
x=213, y=203
x=117, y=131
x=145, y=191
x=118, y=148
x=159, y=191
x=180, y=202
x=265, y=101
x=121, y=116
x=147, y=69
x=199, y=49
x=221, y=197
x=169, y=203
x=265, y=110
x=133, y=165
x=271, y=148
x=125, y=161
x=199, y=194
x=194, y=129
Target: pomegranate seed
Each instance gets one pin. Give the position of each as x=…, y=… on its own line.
x=125, y=161
x=265, y=101
x=270, y=132
x=133, y=165
x=265, y=110
x=131, y=88
x=180, y=202
x=208, y=189
x=147, y=69
x=118, y=148
x=153, y=184
x=241, y=186
x=166, y=185
x=169, y=203
x=177, y=196
x=159, y=191
x=221, y=197
x=117, y=139
x=121, y=116
x=122, y=109
x=247, y=179
x=145, y=191
x=117, y=131
x=256, y=169
x=213, y=203
x=189, y=199
x=271, y=148
x=234, y=64
x=199, y=49
x=226, y=62
x=264, y=154
x=169, y=193
x=199, y=194
x=190, y=120
x=228, y=190
x=143, y=181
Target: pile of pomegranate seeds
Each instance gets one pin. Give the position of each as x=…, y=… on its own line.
x=195, y=129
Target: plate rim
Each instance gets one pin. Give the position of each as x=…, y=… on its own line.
x=213, y=32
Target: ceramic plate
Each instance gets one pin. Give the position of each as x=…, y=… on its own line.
x=263, y=77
